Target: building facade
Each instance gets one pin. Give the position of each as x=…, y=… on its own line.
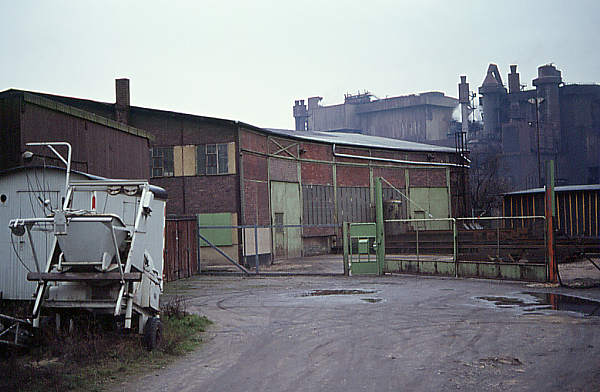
x=229, y=173
x=101, y=145
x=424, y=117
x=527, y=127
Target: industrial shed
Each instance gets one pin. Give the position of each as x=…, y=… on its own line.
x=323, y=178
x=576, y=216
x=577, y=213
x=224, y=172
x=101, y=145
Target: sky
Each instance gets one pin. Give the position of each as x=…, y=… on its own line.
x=249, y=60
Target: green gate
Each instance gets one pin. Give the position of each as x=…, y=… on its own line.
x=364, y=247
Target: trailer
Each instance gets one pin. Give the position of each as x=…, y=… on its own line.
x=106, y=256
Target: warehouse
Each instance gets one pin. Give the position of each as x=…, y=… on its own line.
x=223, y=172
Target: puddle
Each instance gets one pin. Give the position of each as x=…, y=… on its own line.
x=371, y=300
x=532, y=303
x=318, y=293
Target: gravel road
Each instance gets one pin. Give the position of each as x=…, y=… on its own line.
x=404, y=333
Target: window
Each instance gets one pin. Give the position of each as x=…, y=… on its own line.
x=161, y=161
x=212, y=159
x=279, y=222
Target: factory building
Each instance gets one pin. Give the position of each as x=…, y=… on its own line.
x=101, y=145
x=224, y=172
x=525, y=128
x=424, y=117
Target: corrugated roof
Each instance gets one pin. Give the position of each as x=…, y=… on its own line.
x=359, y=140
x=565, y=188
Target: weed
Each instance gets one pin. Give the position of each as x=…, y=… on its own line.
x=91, y=357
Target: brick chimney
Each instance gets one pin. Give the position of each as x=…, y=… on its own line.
x=122, y=100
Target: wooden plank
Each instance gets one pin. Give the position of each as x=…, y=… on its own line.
x=82, y=276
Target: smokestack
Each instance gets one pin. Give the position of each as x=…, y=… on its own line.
x=300, y=115
x=514, y=81
x=122, y=100
x=463, y=99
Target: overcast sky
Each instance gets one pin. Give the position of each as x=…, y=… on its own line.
x=249, y=60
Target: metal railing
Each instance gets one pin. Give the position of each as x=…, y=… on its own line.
x=255, y=247
x=506, y=239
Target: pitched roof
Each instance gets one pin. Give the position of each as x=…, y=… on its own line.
x=81, y=108
x=47, y=101
x=357, y=139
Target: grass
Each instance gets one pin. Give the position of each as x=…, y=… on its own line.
x=92, y=359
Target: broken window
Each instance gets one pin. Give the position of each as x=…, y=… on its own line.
x=161, y=161
x=212, y=159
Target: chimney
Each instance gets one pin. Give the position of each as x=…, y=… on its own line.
x=122, y=100
x=463, y=99
x=514, y=81
x=300, y=115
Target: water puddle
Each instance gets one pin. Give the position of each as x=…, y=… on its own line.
x=532, y=303
x=343, y=296
x=318, y=293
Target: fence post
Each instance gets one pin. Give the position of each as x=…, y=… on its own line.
x=256, y=261
x=455, y=246
x=417, y=243
x=345, y=246
x=498, y=242
x=379, y=229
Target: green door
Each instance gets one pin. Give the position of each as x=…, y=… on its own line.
x=426, y=201
x=285, y=210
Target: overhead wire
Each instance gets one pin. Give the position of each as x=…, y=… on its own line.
x=17, y=253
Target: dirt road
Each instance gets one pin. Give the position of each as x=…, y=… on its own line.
x=403, y=333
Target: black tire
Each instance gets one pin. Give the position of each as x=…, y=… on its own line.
x=153, y=333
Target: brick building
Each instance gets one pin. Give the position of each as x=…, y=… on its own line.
x=225, y=172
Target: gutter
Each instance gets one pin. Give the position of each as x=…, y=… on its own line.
x=421, y=163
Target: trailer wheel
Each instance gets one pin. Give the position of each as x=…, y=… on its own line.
x=152, y=333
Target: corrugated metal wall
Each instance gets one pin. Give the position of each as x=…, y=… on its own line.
x=578, y=213
x=22, y=189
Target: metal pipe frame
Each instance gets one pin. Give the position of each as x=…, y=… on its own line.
x=67, y=161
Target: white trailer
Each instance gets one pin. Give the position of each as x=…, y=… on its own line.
x=106, y=255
